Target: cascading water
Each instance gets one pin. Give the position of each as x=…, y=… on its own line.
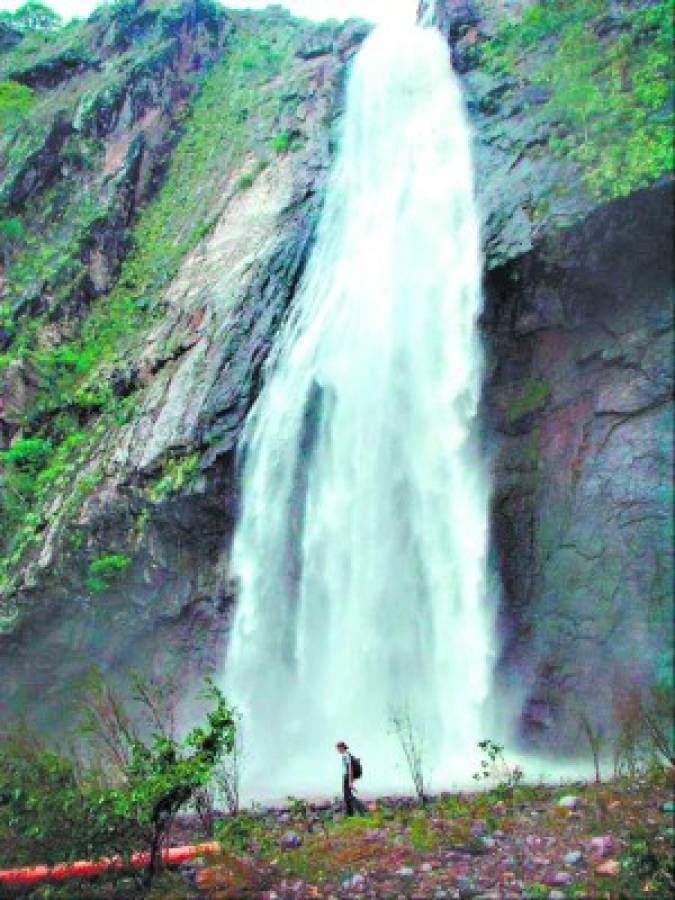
x=361, y=550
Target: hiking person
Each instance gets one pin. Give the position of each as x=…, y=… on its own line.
x=351, y=769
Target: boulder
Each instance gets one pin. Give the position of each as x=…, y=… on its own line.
x=290, y=840
x=569, y=801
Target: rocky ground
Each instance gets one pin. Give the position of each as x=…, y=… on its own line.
x=564, y=841
x=612, y=840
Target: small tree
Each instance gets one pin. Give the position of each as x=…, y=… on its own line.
x=657, y=716
x=154, y=773
x=412, y=743
x=630, y=744
x=595, y=735
x=644, y=725
x=123, y=792
x=160, y=774
x=227, y=774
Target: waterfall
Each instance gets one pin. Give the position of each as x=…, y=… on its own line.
x=361, y=548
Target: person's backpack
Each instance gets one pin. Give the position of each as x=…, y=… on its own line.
x=357, y=768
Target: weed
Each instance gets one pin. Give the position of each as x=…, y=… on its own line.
x=494, y=768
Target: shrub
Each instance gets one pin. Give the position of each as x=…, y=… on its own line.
x=647, y=865
x=48, y=813
x=245, y=182
x=53, y=809
x=27, y=454
x=238, y=832
x=11, y=229
x=176, y=474
x=281, y=142
x=22, y=463
x=163, y=774
x=104, y=570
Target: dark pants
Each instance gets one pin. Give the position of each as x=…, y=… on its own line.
x=352, y=803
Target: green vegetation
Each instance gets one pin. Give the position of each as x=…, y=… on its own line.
x=20, y=468
x=55, y=807
x=126, y=798
x=31, y=471
x=15, y=103
x=642, y=871
x=27, y=455
x=281, y=142
x=534, y=394
x=104, y=570
x=421, y=835
x=11, y=229
x=46, y=810
x=609, y=83
x=246, y=181
x=240, y=97
x=175, y=474
x=494, y=770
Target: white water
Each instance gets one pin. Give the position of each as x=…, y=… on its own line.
x=361, y=550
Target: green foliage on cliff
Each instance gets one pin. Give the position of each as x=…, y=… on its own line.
x=174, y=475
x=240, y=100
x=281, y=142
x=104, y=570
x=15, y=103
x=31, y=471
x=237, y=99
x=20, y=467
x=27, y=455
x=608, y=71
x=218, y=131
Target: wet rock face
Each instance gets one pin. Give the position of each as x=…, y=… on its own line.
x=577, y=405
x=169, y=617
x=113, y=142
x=195, y=376
x=515, y=170
x=9, y=36
x=578, y=402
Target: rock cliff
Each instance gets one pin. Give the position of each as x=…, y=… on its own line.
x=578, y=328
x=172, y=174
x=124, y=558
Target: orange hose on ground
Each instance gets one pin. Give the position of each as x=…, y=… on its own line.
x=86, y=868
